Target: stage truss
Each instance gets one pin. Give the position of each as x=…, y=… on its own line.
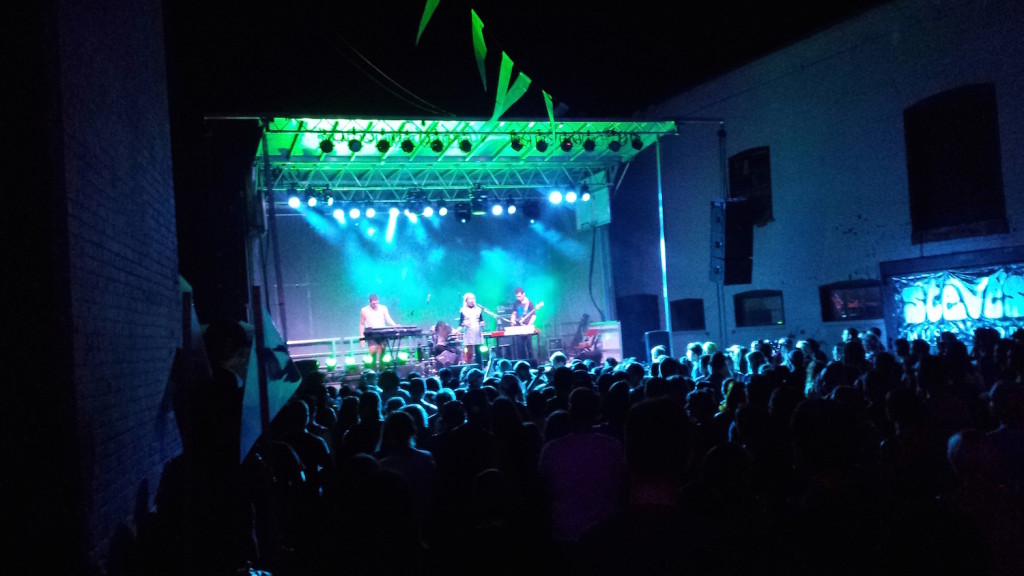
x=453, y=160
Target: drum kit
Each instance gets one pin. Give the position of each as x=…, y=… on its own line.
x=443, y=349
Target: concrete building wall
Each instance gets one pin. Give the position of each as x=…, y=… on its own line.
x=831, y=110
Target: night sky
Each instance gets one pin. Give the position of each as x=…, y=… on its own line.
x=359, y=59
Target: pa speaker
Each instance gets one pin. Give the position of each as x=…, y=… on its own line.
x=732, y=242
x=750, y=179
x=657, y=338
x=637, y=314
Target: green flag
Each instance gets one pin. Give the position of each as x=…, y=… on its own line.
x=428, y=11
x=479, y=48
x=505, y=98
x=551, y=112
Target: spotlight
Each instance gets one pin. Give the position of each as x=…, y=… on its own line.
x=442, y=210
x=511, y=209
x=428, y=211
x=585, y=192
x=353, y=213
x=293, y=198
x=517, y=143
x=310, y=198
x=542, y=146
x=355, y=145
x=615, y=145
x=370, y=212
x=636, y=142
x=339, y=214
x=497, y=209
x=437, y=146
x=465, y=145
x=589, y=145
x=477, y=206
x=408, y=146
x=570, y=197
x=329, y=198
x=383, y=146
x=393, y=212
x=331, y=362
x=566, y=145
x=327, y=146
x=555, y=197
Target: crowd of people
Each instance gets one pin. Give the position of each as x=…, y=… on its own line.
x=772, y=458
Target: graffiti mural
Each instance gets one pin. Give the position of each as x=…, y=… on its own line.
x=958, y=301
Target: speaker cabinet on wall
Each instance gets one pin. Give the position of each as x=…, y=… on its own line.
x=732, y=242
x=750, y=179
x=954, y=166
x=687, y=314
x=637, y=314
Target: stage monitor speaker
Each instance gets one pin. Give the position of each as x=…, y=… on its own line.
x=656, y=338
x=732, y=242
x=637, y=314
x=687, y=314
x=954, y=166
x=750, y=179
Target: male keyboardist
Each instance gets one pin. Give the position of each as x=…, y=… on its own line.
x=374, y=315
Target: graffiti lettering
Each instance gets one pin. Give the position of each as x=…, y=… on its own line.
x=949, y=298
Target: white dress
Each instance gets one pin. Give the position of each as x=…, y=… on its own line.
x=472, y=325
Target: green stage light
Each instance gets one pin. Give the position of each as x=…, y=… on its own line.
x=367, y=359
x=350, y=361
x=484, y=348
x=386, y=358
x=330, y=363
x=403, y=356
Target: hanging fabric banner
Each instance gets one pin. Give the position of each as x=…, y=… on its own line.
x=505, y=98
x=428, y=11
x=479, y=47
x=550, y=109
x=958, y=301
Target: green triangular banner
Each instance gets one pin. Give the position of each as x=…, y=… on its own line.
x=428, y=11
x=479, y=47
x=550, y=108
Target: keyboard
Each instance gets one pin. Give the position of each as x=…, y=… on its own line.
x=527, y=330
x=391, y=332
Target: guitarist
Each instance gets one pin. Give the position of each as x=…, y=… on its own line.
x=523, y=314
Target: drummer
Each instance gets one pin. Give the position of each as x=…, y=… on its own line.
x=472, y=323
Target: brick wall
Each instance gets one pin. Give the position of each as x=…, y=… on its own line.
x=121, y=243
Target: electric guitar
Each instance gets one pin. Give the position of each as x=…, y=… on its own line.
x=495, y=316
x=526, y=317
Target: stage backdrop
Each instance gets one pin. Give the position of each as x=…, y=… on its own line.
x=330, y=268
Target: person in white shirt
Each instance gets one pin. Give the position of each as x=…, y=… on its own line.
x=374, y=315
x=471, y=321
